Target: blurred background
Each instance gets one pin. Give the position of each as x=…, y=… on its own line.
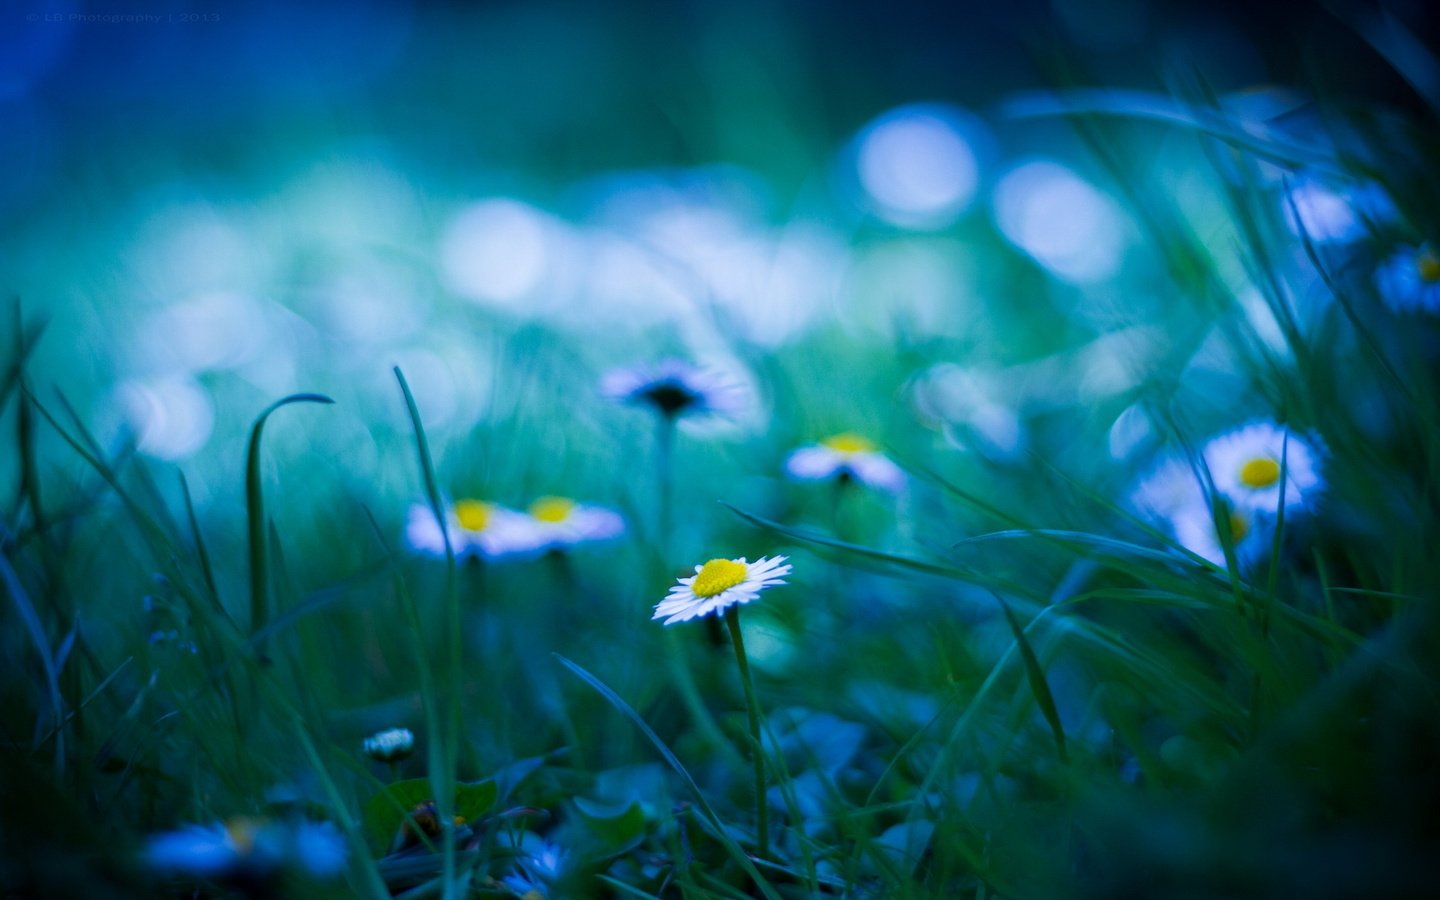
x=214, y=204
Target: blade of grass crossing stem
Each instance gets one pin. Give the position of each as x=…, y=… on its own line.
x=809, y=537
x=628, y=712
x=255, y=510
x=95, y=692
x=154, y=534
x=145, y=490
x=443, y=777
x=1039, y=687
x=207, y=571
x=359, y=849
x=25, y=343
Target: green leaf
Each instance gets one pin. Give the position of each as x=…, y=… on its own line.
x=474, y=799
x=619, y=826
x=384, y=813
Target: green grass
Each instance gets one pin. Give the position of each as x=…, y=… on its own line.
x=1007, y=682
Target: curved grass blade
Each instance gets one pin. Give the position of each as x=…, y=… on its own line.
x=1093, y=541
x=255, y=510
x=628, y=712
x=810, y=537
x=1164, y=110
x=445, y=751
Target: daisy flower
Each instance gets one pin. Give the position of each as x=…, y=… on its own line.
x=1245, y=466
x=1409, y=280
x=844, y=457
x=391, y=745
x=1331, y=215
x=246, y=846
x=718, y=584
x=674, y=388
x=476, y=528
x=1251, y=534
x=561, y=522
x=1169, y=488
x=537, y=869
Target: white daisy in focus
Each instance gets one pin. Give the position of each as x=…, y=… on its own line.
x=844, y=457
x=674, y=388
x=718, y=584
x=477, y=528
x=1245, y=465
x=562, y=522
x=391, y=745
x=1250, y=534
x=1409, y=280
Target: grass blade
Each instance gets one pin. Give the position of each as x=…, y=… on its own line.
x=628, y=712
x=444, y=763
x=255, y=510
x=1039, y=687
x=36, y=630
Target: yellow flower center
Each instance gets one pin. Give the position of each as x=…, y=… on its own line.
x=1427, y=263
x=718, y=575
x=1239, y=527
x=1260, y=473
x=240, y=832
x=472, y=515
x=551, y=509
x=848, y=443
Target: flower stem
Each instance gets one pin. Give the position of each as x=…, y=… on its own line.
x=762, y=813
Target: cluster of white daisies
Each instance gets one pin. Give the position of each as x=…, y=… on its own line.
x=481, y=529
x=1251, y=474
x=672, y=389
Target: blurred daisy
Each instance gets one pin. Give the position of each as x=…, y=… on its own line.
x=476, y=528
x=718, y=584
x=1246, y=466
x=247, y=846
x=391, y=745
x=1169, y=488
x=538, y=867
x=844, y=457
x=1409, y=280
x=562, y=522
x=1329, y=215
x=674, y=388
x=1250, y=533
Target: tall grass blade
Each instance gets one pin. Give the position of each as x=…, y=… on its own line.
x=444, y=775
x=255, y=510
x=1039, y=687
x=628, y=712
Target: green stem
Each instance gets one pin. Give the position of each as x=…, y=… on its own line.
x=664, y=444
x=762, y=814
